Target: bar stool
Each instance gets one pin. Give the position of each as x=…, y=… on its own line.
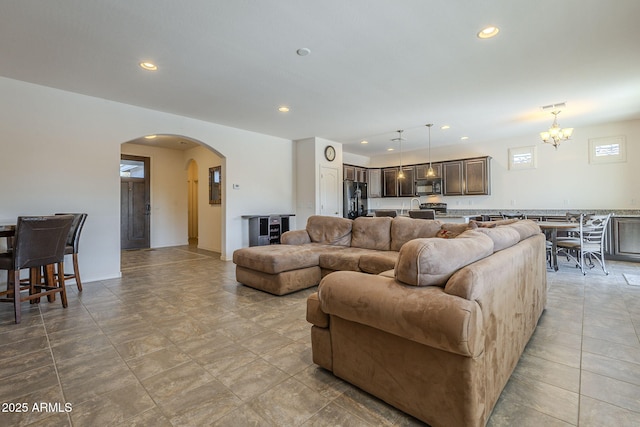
x=38, y=244
x=73, y=241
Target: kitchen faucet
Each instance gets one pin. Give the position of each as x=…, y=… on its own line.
x=411, y=203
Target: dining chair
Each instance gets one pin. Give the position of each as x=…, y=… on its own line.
x=385, y=212
x=516, y=215
x=590, y=242
x=423, y=214
x=39, y=243
x=73, y=242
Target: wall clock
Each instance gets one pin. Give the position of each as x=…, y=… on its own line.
x=330, y=153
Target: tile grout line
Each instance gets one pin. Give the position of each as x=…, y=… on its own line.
x=55, y=365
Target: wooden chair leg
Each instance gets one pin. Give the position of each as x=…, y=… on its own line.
x=50, y=281
x=76, y=271
x=61, y=285
x=16, y=294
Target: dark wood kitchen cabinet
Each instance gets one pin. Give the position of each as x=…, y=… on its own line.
x=393, y=186
x=624, y=238
x=453, y=181
x=422, y=169
x=354, y=173
x=390, y=182
x=476, y=176
x=468, y=177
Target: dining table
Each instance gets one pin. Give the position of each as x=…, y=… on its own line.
x=551, y=230
x=8, y=231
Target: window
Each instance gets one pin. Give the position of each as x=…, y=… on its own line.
x=522, y=157
x=215, y=185
x=611, y=149
x=132, y=168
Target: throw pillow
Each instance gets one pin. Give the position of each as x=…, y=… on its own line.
x=484, y=224
x=450, y=230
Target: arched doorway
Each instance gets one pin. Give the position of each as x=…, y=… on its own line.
x=178, y=212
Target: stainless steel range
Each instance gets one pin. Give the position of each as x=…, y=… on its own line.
x=438, y=207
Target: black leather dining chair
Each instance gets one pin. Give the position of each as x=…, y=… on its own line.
x=39, y=243
x=385, y=212
x=72, y=247
x=423, y=214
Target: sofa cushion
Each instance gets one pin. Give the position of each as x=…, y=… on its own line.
x=526, y=228
x=375, y=263
x=343, y=259
x=450, y=230
x=329, y=230
x=275, y=259
x=484, y=224
x=295, y=237
x=503, y=237
x=425, y=262
x=371, y=233
x=491, y=224
x=404, y=229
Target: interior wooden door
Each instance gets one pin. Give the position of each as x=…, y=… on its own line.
x=135, y=207
x=329, y=191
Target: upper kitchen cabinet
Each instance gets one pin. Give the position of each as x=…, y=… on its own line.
x=421, y=171
x=398, y=187
x=476, y=176
x=374, y=182
x=467, y=177
x=390, y=182
x=349, y=172
x=406, y=185
x=354, y=173
x=453, y=181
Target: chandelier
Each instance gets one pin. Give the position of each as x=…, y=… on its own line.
x=555, y=134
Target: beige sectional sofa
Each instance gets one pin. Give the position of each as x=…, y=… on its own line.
x=440, y=334
x=328, y=244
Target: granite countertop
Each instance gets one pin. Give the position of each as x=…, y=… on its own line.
x=265, y=215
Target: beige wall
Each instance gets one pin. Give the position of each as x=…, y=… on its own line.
x=563, y=179
x=60, y=152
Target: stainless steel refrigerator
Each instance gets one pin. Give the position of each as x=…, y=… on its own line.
x=355, y=199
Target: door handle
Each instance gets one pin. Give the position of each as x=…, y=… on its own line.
x=147, y=209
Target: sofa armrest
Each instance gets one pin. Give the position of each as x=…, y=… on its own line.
x=426, y=315
x=295, y=237
x=315, y=315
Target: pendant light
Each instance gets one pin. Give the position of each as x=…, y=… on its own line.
x=430, y=171
x=399, y=139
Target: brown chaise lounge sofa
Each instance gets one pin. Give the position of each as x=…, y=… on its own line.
x=329, y=244
x=439, y=336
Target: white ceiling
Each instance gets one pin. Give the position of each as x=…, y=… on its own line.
x=375, y=65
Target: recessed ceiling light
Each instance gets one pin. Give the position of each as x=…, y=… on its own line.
x=303, y=51
x=488, y=32
x=464, y=138
x=283, y=109
x=151, y=136
x=389, y=149
x=445, y=127
x=149, y=66
x=364, y=141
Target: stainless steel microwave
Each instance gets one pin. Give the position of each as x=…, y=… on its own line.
x=426, y=187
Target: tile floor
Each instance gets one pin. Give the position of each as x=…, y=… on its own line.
x=178, y=342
